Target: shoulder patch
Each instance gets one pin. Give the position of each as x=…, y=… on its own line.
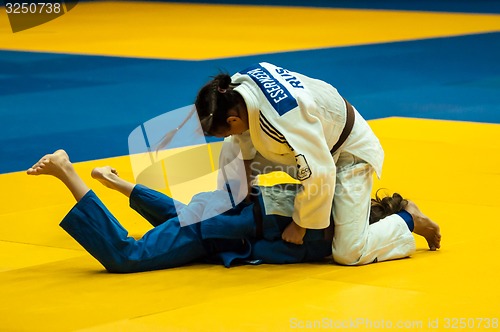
x=303, y=169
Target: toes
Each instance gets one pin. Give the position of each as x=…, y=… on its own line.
x=94, y=173
x=35, y=170
x=48, y=164
x=435, y=244
x=36, y=165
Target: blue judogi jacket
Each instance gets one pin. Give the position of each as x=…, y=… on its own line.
x=234, y=233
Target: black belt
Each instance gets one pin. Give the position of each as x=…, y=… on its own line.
x=349, y=123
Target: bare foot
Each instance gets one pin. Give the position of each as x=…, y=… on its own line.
x=58, y=165
x=106, y=175
x=55, y=164
x=424, y=226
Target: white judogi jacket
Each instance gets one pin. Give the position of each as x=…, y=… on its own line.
x=296, y=120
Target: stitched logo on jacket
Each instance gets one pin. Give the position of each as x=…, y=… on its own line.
x=303, y=169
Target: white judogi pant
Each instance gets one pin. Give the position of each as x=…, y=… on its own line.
x=355, y=241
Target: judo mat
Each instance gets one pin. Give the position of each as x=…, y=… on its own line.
x=426, y=76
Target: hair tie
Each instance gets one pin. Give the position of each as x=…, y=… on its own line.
x=221, y=90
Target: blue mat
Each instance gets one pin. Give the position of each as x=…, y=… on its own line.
x=463, y=6
x=88, y=105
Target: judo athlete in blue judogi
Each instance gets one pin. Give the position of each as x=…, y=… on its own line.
x=182, y=234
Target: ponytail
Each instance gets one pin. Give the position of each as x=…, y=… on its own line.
x=223, y=82
x=383, y=207
x=213, y=102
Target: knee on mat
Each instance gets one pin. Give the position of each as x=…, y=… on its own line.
x=348, y=256
x=345, y=259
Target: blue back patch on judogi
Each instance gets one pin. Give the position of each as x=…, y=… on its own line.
x=277, y=95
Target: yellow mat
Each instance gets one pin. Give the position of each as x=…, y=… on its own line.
x=48, y=283
x=153, y=30
x=451, y=169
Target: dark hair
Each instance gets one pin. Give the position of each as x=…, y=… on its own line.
x=213, y=102
x=383, y=207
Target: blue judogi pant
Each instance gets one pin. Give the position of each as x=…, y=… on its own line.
x=167, y=245
x=226, y=237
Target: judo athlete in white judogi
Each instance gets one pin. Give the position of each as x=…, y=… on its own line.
x=295, y=121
